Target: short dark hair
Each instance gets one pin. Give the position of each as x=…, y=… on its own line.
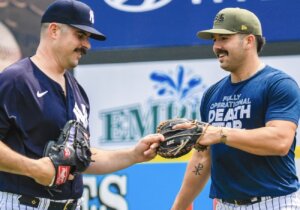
x=260, y=43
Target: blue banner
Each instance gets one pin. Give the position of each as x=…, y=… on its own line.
x=163, y=23
x=150, y=186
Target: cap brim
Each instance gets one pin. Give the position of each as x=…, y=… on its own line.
x=95, y=34
x=208, y=34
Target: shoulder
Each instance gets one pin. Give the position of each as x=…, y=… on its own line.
x=280, y=82
x=274, y=81
x=283, y=96
x=15, y=70
x=15, y=74
x=272, y=74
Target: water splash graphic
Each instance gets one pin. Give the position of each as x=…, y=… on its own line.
x=181, y=86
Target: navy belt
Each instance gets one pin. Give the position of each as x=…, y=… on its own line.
x=34, y=202
x=246, y=201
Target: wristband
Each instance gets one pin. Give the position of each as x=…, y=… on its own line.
x=223, y=137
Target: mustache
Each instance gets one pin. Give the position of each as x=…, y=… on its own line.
x=221, y=51
x=82, y=50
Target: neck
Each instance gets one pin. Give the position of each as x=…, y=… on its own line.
x=246, y=71
x=48, y=65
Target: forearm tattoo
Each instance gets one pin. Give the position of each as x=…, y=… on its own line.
x=198, y=169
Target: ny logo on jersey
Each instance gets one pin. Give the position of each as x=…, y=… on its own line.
x=81, y=114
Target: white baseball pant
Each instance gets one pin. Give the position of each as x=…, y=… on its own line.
x=287, y=202
x=10, y=201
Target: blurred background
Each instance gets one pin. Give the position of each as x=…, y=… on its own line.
x=152, y=67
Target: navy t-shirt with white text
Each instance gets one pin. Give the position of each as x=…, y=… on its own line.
x=268, y=95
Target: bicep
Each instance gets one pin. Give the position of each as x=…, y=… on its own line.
x=283, y=101
x=286, y=128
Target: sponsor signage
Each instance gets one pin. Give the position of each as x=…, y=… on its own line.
x=162, y=23
x=141, y=95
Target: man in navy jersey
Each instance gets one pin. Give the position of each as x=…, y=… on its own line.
x=253, y=114
x=38, y=96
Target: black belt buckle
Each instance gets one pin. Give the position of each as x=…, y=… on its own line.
x=69, y=205
x=29, y=201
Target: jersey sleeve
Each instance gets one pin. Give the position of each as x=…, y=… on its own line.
x=283, y=101
x=8, y=105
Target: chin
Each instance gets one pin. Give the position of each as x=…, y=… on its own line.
x=225, y=67
x=74, y=64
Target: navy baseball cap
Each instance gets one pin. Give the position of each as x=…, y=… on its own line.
x=74, y=13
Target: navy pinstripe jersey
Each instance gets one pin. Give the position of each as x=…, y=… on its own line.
x=33, y=110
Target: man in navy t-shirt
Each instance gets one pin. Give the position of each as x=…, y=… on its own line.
x=253, y=115
x=38, y=96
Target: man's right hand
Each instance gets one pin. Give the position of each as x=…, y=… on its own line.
x=44, y=171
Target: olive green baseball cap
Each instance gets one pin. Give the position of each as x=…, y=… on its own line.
x=233, y=21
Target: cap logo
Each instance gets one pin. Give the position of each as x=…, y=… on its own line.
x=219, y=18
x=244, y=28
x=92, y=18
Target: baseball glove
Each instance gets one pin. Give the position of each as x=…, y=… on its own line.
x=70, y=154
x=180, y=141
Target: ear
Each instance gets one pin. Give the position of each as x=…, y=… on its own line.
x=53, y=30
x=250, y=41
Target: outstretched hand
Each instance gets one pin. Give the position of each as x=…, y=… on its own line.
x=145, y=149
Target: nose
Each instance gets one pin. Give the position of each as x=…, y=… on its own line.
x=87, y=44
x=216, y=45
x=217, y=42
